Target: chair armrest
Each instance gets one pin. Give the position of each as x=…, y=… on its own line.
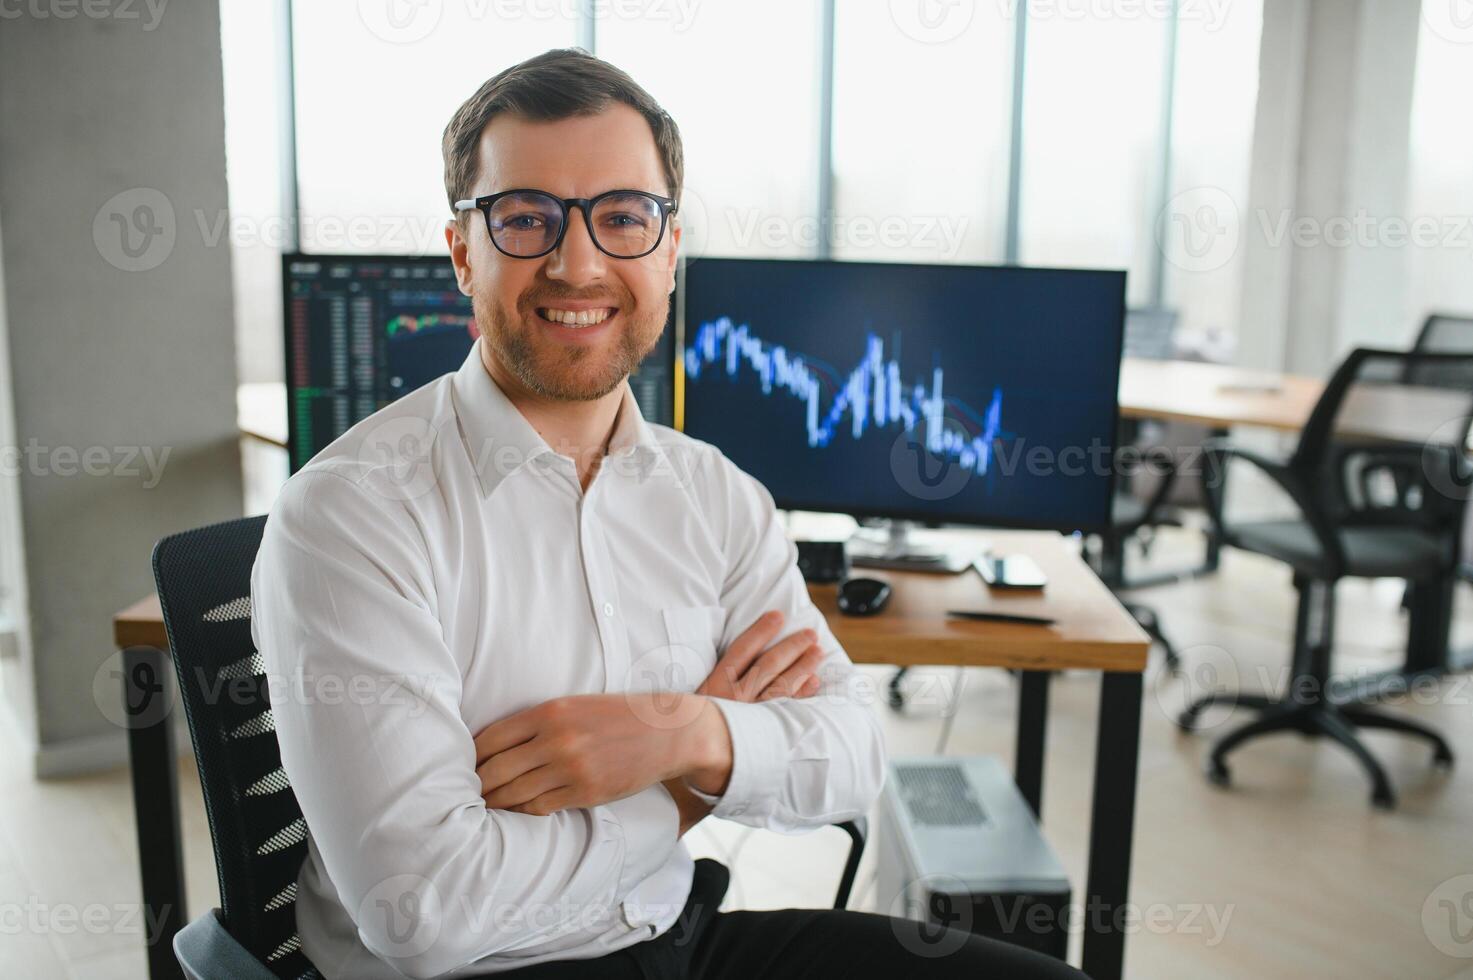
x=858, y=831
x=1218, y=455
x=207, y=951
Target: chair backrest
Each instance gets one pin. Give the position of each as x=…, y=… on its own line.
x=1444, y=333
x=203, y=579
x=1402, y=415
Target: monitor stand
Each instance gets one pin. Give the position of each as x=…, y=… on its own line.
x=890, y=545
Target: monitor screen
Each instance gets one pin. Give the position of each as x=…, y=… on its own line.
x=961, y=394
x=364, y=330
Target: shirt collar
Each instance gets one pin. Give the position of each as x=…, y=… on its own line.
x=500, y=440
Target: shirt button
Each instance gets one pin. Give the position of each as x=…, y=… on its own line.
x=608, y=609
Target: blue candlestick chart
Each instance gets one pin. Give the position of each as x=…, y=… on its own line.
x=872, y=394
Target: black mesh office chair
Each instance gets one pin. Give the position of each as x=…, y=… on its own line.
x=1385, y=412
x=1445, y=333
x=203, y=579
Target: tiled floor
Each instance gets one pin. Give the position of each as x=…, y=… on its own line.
x=1304, y=878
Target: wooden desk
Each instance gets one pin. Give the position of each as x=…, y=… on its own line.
x=1218, y=396
x=1093, y=632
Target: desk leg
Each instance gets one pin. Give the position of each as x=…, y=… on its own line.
x=1032, y=725
x=1213, y=559
x=146, y=700
x=1112, y=824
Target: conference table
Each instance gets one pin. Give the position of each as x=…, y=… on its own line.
x=1218, y=396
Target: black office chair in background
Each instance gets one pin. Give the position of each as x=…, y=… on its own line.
x=1383, y=412
x=1446, y=333
x=1142, y=500
x=203, y=579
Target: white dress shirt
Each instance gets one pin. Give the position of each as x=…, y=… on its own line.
x=438, y=568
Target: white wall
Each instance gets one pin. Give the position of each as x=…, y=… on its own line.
x=110, y=126
x=1323, y=272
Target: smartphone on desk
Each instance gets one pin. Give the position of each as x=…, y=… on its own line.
x=1010, y=572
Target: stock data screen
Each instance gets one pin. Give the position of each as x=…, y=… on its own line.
x=980, y=395
x=363, y=330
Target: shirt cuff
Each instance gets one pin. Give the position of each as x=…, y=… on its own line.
x=758, y=760
x=650, y=823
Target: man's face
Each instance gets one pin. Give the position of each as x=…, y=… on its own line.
x=513, y=298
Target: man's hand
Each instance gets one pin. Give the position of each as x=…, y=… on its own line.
x=750, y=670
x=589, y=749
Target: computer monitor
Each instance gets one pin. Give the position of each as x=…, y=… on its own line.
x=365, y=330
x=940, y=393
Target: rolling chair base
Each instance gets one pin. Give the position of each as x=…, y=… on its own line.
x=1316, y=719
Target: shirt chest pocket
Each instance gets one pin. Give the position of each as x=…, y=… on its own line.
x=687, y=654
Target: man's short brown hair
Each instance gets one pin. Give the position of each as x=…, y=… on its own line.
x=554, y=85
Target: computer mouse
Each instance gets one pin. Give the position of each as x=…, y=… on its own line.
x=863, y=596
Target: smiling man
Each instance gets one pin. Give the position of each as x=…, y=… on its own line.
x=569, y=635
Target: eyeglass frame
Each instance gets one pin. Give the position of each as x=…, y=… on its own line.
x=483, y=204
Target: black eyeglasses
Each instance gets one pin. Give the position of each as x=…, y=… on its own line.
x=528, y=224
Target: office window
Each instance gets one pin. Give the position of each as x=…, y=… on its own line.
x=251, y=50
x=376, y=84
x=1440, y=200
x=921, y=134
x=741, y=80
x=1091, y=139
x=1211, y=155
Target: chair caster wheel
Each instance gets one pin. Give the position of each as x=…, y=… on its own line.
x=1187, y=721
x=897, y=701
x=1384, y=800
x=1442, y=760
x=1218, y=775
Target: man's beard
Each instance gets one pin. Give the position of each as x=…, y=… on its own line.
x=567, y=373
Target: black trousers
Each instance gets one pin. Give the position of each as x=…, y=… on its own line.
x=705, y=944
